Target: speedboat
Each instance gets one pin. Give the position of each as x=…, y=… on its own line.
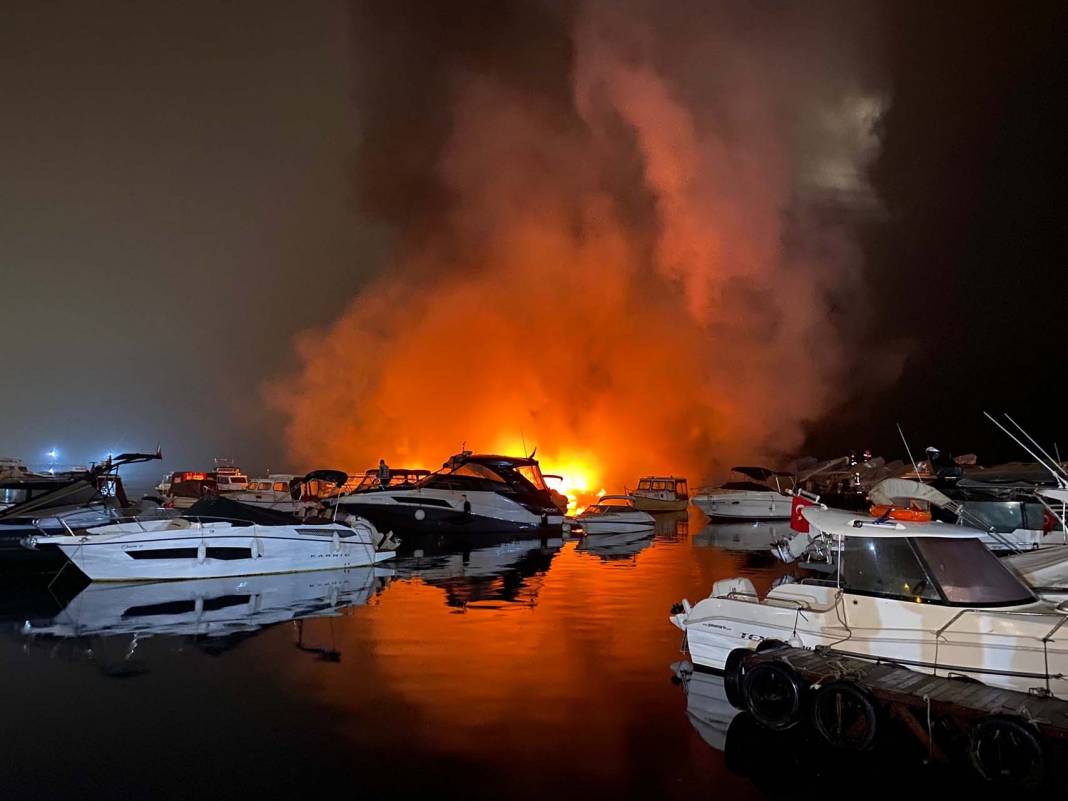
x=615, y=514
x=759, y=495
x=184, y=548
x=661, y=494
x=927, y=596
x=471, y=493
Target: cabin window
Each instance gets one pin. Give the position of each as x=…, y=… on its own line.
x=885, y=566
x=680, y=488
x=969, y=574
x=280, y=486
x=1002, y=516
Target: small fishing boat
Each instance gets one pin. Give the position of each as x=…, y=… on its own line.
x=758, y=494
x=661, y=494
x=927, y=596
x=213, y=547
x=615, y=514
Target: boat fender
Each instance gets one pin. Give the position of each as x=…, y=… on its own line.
x=733, y=673
x=1006, y=749
x=846, y=716
x=202, y=552
x=420, y=514
x=774, y=694
x=335, y=542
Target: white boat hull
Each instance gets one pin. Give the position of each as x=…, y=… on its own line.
x=1015, y=648
x=744, y=505
x=126, y=552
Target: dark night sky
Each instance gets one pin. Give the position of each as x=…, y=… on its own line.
x=177, y=200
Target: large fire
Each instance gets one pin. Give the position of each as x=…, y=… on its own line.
x=617, y=268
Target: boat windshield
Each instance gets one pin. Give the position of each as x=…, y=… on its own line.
x=475, y=470
x=532, y=473
x=954, y=571
x=969, y=573
x=887, y=567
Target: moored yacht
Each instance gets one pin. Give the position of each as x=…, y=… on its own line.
x=471, y=493
x=928, y=596
x=208, y=547
x=758, y=494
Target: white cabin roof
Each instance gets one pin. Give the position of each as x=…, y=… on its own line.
x=850, y=524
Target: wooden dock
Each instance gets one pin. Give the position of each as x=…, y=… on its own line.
x=1012, y=737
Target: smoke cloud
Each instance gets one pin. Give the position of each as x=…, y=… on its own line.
x=623, y=232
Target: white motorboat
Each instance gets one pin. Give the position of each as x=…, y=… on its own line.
x=615, y=514
x=215, y=607
x=760, y=495
x=181, y=548
x=471, y=494
x=928, y=596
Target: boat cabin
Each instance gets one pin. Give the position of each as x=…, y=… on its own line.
x=518, y=477
x=230, y=479
x=663, y=488
x=936, y=563
x=610, y=504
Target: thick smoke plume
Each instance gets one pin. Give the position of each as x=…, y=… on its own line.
x=624, y=233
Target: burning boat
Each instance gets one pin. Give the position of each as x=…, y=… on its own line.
x=471, y=493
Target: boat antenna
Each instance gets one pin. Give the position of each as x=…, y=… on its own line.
x=908, y=450
x=1016, y=439
x=523, y=437
x=1031, y=439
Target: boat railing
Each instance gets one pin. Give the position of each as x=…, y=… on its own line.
x=1048, y=637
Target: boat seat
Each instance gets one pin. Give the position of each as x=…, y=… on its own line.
x=818, y=599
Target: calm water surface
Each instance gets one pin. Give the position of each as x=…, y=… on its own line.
x=522, y=670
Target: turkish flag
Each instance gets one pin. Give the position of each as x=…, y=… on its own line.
x=798, y=522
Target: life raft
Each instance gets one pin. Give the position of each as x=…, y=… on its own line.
x=909, y=514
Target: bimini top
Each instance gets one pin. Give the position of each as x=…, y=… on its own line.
x=850, y=524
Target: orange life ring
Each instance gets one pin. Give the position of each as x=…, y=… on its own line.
x=908, y=513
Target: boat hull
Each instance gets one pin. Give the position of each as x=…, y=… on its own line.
x=745, y=506
x=214, y=553
x=441, y=513
x=660, y=504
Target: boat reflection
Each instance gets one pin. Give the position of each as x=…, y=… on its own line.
x=752, y=536
x=219, y=608
x=612, y=547
x=800, y=758
x=486, y=576
x=672, y=526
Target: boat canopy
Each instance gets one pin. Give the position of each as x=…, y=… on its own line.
x=849, y=524
x=335, y=477
x=886, y=491
x=219, y=508
x=619, y=500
